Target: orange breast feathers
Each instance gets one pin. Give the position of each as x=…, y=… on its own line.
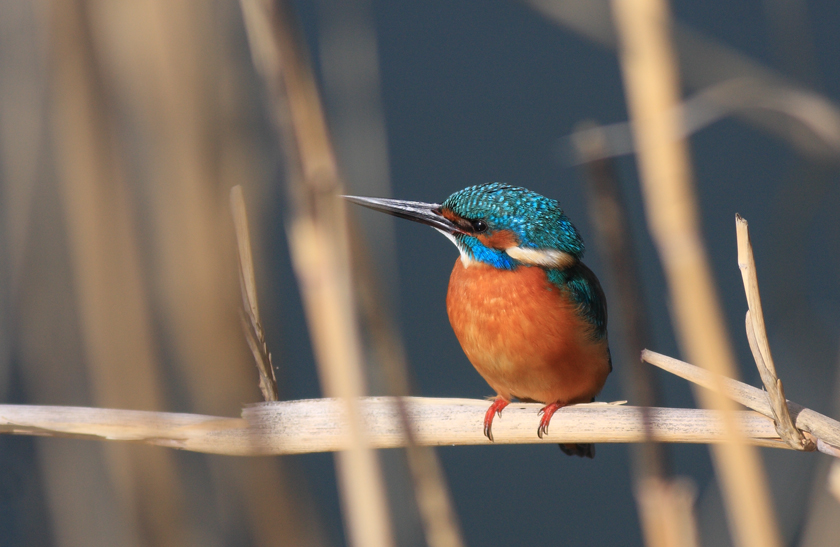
x=524, y=336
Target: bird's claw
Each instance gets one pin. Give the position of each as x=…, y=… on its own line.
x=488, y=432
x=495, y=410
x=546, y=413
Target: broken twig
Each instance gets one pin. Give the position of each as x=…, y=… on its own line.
x=805, y=419
x=254, y=333
x=760, y=346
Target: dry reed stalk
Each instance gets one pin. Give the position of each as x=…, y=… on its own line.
x=318, y=425
x=652, y=87
x=440, y=522
x=822, y=427
x=319, y=247
x=760, y=345
x=732, y=98
x=161, y=59
x=171, y=66
x=349, y=67
x=834, y=480
x=665, y=512
x=666, y=508
x=23, y=89
x=105, y=258
x=433, y=498
x=708, y=63
x=254, y=333
x=321, y=425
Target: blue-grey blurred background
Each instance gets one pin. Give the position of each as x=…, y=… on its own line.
x=124, y=125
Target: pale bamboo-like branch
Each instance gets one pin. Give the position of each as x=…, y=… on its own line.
x=254, y=333
x=760, y=345
x=190, y=432
x=320, y=425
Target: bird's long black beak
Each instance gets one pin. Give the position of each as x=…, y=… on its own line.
x=424, y=213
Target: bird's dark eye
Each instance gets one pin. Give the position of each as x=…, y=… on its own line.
x=479, y=226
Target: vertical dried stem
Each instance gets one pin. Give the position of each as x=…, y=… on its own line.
x=254, y=333
x=667, y=511
x=440, y=522
x=665, y=506
x=652, y=87
x=115, y=320
x=609, y=217
x=168, y=65
x=319, y=246
x=349, y=67
x=760, y=345
x=834, y=480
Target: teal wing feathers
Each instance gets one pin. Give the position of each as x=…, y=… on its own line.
x=585, y=291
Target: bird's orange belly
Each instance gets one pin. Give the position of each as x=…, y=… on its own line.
x=524, y=336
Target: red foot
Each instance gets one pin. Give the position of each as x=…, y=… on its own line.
x=547, y=412
x=496, y=408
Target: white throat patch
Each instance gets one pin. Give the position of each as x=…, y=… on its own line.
x=465, y=258
x=547, y=258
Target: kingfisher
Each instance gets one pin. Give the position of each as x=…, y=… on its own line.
x=529, y=315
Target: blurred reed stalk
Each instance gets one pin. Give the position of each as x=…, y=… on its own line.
x=834, y=480
x=437, y=513
x=319, y=242
x=105, y=258
x=349, y=66
x=319, y=247
x=152, y=268
x=708, y=64
x=349, y=63
x=666, y=506
x=651, y=81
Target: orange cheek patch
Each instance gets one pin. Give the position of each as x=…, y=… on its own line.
x=450, y=216
x=503, y=239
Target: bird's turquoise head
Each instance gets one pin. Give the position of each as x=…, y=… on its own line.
x=497, y=224
x=505, y=225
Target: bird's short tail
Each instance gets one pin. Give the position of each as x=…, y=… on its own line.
x=582, y=450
